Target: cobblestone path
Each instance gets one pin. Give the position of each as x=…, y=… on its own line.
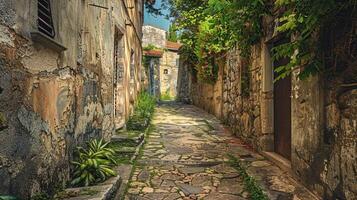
x=185, y=158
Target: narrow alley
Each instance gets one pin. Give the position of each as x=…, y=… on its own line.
x=178, y=99
x=187, y=155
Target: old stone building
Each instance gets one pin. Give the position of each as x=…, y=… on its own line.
x=308, y=127
x=162, y=62
x=69, y=71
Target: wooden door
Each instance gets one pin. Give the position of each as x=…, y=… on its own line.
x=282, y=114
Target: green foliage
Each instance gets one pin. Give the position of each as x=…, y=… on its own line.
x=209, y=28
x=212, y=28
x=94, y=164
x=40, y=196
x=166, y=96
x=3, y=121
x=172, y=34
x=250, y=184
x=150, y=47
x=143, y=111
x=303, y=21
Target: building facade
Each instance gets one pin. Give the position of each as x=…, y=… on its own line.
x=308, y=127
x=162, y=62
x=69, y=71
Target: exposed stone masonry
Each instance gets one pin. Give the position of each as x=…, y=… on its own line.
x=323, y=115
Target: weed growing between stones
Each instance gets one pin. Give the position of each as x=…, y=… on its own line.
x=166, y=97
x=134, y=163
x=250, y=184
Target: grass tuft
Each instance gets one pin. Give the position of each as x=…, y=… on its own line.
x=250, y=184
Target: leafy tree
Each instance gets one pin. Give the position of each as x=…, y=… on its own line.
x=172, y=34
x=209, y=28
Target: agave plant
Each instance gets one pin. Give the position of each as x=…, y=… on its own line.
x=94, y=164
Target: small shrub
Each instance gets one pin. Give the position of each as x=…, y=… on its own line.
x=94, y=164
x=166, y=97
x=143, y=111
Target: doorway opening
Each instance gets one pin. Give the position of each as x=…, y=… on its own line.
x=282, y=109
x=119, y=90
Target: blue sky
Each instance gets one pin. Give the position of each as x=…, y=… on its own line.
x=157, y=21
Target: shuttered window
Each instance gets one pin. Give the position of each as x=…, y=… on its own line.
x=45, y=22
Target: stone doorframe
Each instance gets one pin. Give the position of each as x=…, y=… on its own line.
x=267, y=98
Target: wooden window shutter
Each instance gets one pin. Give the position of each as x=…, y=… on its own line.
x=44, y=21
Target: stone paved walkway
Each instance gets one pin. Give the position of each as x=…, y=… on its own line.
x=185, y=158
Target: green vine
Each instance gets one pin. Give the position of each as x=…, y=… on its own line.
x=210, y=28
x=213, y=28
x=303, y=21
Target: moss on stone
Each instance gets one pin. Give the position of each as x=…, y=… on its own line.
x=3, y=121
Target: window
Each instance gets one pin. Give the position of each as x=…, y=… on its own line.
x=44, y=20
x=118, y=58
x=132, y=64
x=166, y=71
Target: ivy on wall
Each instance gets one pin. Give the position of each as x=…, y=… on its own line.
x=209, y=28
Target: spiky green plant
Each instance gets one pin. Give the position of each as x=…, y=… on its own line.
x=94, y=164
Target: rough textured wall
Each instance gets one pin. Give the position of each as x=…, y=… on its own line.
x=209, y=96
x=323, y=111
x=53, y=101
x=169, y=73
x=184, y=81
x=154, y=36
x=241, y=96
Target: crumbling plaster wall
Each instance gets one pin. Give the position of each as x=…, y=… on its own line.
x=54, y=101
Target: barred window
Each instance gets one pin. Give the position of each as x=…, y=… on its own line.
x=44, y=20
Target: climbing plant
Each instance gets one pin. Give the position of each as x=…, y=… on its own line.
x=209, y=28
x=303, y=21
x=212, y=28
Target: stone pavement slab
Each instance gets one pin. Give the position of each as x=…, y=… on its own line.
x=186, y=156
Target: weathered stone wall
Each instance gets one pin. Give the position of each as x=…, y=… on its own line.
x=205, y=95
x=53, y=101
x=184, y=81
x=169, y=72
x=241, y=96
x=154, y=36
x=323, y=113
